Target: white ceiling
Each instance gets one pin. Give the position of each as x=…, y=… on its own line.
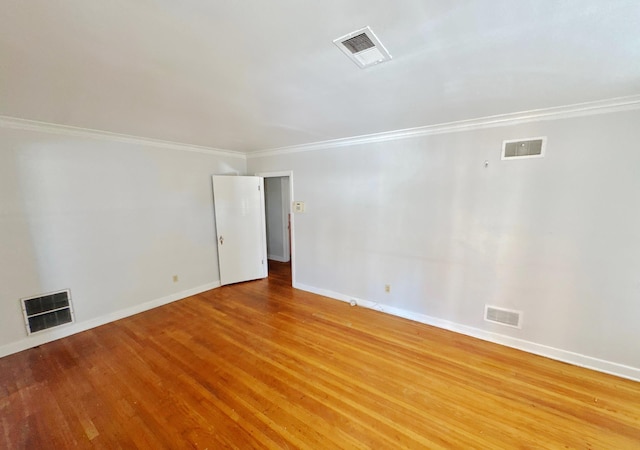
x=255, y=74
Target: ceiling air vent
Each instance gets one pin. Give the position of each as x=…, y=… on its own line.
x=363, y=48
x=524, y=148
x=503, y=316
x=47, y=311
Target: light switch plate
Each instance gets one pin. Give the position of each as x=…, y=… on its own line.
x=298, y=207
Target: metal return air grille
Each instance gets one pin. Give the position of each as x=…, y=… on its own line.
x=523, y=148
x=47, y=311
x=503, y=316
x=363, y=48
x=358, y=43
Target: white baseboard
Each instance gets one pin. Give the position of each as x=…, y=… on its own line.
x=577, y=359
x=278, y=258
x=73, y=328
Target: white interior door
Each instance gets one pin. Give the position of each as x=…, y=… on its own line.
x=240, y=225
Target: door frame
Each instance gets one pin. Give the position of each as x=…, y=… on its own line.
x=287, y=173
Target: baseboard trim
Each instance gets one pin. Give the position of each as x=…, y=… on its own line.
x=576, y=359
x=77, y=327
x=278, y=258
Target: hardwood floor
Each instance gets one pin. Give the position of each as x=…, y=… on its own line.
x=261, y=365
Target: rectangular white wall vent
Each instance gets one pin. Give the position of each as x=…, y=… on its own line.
x=524, y=148
x=363, y=48
x=503, y=316
x=47, y=311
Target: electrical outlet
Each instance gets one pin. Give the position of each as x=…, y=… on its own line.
x=175, y=278
x=387, y=288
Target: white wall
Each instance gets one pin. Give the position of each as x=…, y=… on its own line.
x=112, y=221
x=556, y=237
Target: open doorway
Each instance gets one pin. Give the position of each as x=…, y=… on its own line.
x=276, y=199
x=278, y=193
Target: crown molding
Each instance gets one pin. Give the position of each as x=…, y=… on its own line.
x=66, y=130
x=560, y=112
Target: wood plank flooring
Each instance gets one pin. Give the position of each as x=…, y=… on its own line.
x=261, y=365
